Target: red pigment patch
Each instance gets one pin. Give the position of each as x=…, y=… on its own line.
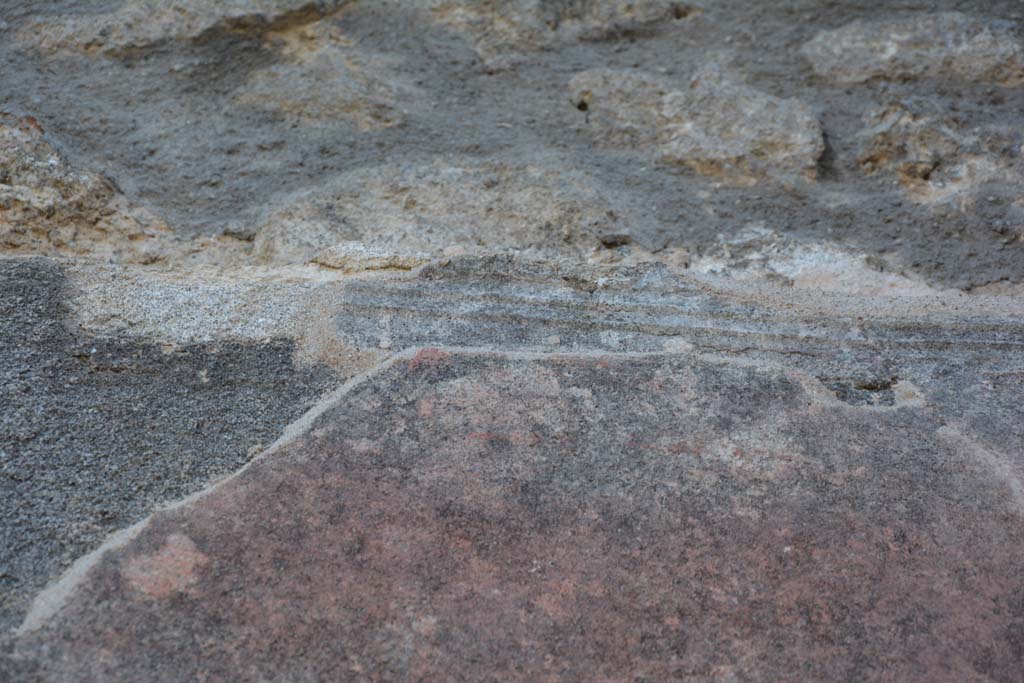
x=170, y=570
x=516, y=534
x=428, y=357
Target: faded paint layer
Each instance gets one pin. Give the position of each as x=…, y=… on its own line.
x=473, y=516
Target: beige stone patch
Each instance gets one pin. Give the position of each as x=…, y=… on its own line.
x=933, y=159
x=714, y=124
x=920, y=45
x=49, y=206
x=354, y=257
x=139, y=24
x=325, y=81
x=538, y=210
x=501, y=29
x=757, y=256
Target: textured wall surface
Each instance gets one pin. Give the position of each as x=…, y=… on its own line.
x=584, y=340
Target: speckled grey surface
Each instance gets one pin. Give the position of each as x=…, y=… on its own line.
x=97, y=431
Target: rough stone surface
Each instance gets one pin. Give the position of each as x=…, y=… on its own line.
x=47, y=206
x=322, y=79
x=219, y=127
x=934, y=159
x=755, y=387
x=354, y=257
x=544, y=208
x=940, y=45
x=145, y=23
x=501, y=29
x=717, y=126
x=487, y=516
x=680, y=341
x=97, y=430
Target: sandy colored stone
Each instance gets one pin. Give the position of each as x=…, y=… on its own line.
x=714, y=124
x=213, y=131
x=49, y=206
x=139, y=24
x=933, y=159
x=936, y=45
x=323, y=89
x=500, y=29
x=354, y=257
x=323, y=78
x=544, y=210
